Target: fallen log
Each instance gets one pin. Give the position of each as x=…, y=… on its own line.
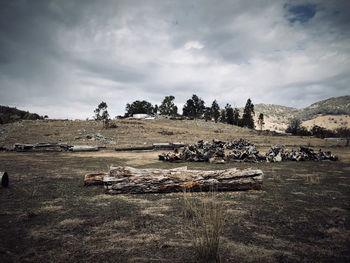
x=163, y=146
x=140, y=148
x=4, y=179
x=137, y=181
x=41, y=147
x=84, y=148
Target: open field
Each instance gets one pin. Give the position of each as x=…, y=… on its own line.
x=137, y=133
x=47, y=215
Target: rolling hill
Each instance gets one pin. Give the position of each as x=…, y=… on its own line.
x=331, y=113
x=10, y=114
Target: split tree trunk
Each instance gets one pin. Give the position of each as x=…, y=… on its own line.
x=133, y=180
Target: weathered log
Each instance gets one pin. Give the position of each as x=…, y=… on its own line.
x=41, y=147
x=133, y=180
x=4, y=179
x=94, y=178
x=84, y=148
x=140, y=148
x=163, y=146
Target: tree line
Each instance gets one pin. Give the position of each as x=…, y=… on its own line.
x=10, y=114
x=194, y=108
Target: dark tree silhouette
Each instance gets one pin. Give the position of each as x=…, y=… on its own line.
x=194, y=107
x=168, y=107
x=215, y=111
x=247, y=118
x=139, y=107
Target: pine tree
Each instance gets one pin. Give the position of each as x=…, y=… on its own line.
x=229, y=114
x=236, y=117
x=194, y=107
x=261, y=121
x=215, y=111
x=207, y=114
x=223, y=116
x=247, y=118
x=168, y=106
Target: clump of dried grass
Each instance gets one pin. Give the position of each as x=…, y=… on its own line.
x=313, y=179
x=206, y=218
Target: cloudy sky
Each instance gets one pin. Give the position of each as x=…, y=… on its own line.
x=63, y=57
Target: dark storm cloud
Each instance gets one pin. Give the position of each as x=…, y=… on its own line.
x=62, y=58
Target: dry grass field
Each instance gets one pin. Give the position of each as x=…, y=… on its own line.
x=48, y=215
x=137, y=133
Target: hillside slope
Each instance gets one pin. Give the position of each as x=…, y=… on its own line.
x=332, y=106
x=10, y=114
x=331, y=113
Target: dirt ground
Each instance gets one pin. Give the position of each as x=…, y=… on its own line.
x=48, y=215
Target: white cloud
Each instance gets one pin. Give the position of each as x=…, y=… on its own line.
x=118, y=51
x=193, y=45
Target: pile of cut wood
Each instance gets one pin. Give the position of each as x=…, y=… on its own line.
x=241, y=151
x=277, y=153
x=214, y=152
x=132, y=180
x=202, y=151
x=245, y=154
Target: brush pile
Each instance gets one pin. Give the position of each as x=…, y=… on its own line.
x=277, y=153
x=202, y=151
x=245, y=154
x=214, y=152
x=241, y=151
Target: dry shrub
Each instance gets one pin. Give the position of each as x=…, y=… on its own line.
x=110, y=124
x=313, y=179
x=206, y=222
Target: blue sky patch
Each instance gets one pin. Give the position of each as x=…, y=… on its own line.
x=301, y=13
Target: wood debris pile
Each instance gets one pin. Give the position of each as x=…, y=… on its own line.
x=277, y=153
x=245, y=154
x=214, y=152
x=202, y=151
x=241, y=151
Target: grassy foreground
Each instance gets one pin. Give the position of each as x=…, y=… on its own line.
x=47, y=215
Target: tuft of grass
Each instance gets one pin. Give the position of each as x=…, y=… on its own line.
x=206, y=217
x=313, y=179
